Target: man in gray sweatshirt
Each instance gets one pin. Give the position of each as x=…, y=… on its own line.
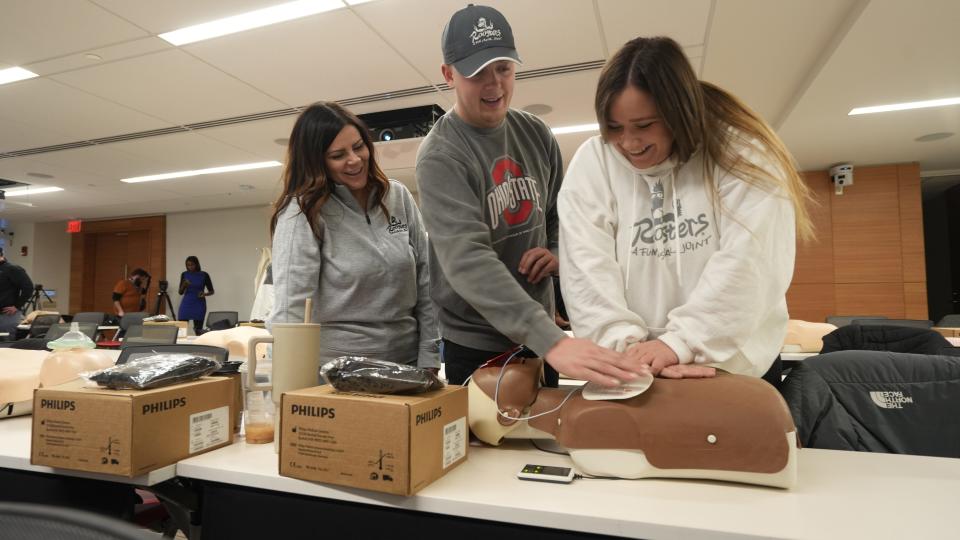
x=488, y=178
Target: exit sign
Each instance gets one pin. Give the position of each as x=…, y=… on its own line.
x=73, y=226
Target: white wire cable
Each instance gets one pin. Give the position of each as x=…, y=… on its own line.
x=496, y=395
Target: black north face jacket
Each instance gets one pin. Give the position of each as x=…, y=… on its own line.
x=877, y=401
x=884, y=338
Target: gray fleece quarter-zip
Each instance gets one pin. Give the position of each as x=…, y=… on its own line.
x=369, y=278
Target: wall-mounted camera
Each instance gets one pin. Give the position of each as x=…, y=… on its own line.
x=842, y=176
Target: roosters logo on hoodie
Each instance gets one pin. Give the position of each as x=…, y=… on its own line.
x=514, y=196
x=663, y=226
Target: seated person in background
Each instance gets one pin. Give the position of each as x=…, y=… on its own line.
x=353, y=241
x=128, y=293
x=678, y=222
x=195, y=287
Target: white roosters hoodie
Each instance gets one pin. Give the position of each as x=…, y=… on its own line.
x=644, y=254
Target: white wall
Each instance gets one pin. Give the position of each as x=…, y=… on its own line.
x=51, y=260
x=228, y=244
x=17, y=235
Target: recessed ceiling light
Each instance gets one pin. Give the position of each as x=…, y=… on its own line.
x=31, y=191
x=94, y=57
x=39, y=175
x=538, y=109
x=934, y=136
x=906, y=106
x=15, y=74
x=199, y=172
x=246, y=187
x=282, y=141
x=250, y=20
x=575, y=129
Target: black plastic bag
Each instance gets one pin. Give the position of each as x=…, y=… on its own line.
x=361, y=374
x=154, y=371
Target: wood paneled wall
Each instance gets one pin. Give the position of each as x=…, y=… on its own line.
x=83, y=257
x=868, y=258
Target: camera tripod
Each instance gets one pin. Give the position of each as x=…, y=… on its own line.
x=36, y=302
x=161, y=296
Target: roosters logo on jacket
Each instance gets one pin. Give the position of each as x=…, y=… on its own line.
x=514, y=195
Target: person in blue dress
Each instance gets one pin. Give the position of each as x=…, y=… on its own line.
x=195, y=287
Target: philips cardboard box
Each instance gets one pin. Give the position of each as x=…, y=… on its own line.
x=130, y=432
x=393, y=444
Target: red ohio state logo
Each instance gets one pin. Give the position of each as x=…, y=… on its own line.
x=514, y=196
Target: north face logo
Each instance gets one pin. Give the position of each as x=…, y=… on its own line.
x=890, y=400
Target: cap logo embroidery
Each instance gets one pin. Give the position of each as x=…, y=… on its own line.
x=483, y=32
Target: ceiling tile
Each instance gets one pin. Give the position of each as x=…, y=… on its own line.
x=79, y=116
x=173, y=86
x=107, y=54
x=329, y=56
x=35, y=30
x=183, y=151
x=256, y=138
x=685, y=22
x=16, y=136
x=160, y=17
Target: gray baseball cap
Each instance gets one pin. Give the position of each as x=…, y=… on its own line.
x=475, y=37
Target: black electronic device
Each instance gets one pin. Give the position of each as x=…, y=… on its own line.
x=407, y=123
x=546, y=473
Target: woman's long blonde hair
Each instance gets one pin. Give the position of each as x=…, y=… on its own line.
x=305, y=176
x=699, y=115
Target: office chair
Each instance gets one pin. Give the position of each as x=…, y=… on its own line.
x=90, y=316
x=128, y=320
x=42, y=323
x=949, y=321
x=139, y=334
x=844, y=320
x=215, y=317
x=33, y=521
x=57, y=331
x=912, y=323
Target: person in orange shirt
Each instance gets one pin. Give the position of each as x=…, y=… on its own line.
x=127, y=292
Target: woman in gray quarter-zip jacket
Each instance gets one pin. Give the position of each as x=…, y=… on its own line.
x=353, y=241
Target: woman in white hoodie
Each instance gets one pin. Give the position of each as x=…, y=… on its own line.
x=678, y=223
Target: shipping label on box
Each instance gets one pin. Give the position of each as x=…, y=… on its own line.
x=393, y=444
x=130, y=432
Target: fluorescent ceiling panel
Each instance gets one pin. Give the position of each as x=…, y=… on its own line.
x=199, y=172
x=905, y=106
x=14, y=74
x=250, y=20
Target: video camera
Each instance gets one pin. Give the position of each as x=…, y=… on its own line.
x=163, y=285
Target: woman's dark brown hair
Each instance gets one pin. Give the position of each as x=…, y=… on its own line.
x=305, y=176
x=700, y=115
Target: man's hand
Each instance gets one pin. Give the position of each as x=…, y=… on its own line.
x=561, y=322
x=10, y=310
x=663, y=362
x=583, y=359
x=538, y=263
